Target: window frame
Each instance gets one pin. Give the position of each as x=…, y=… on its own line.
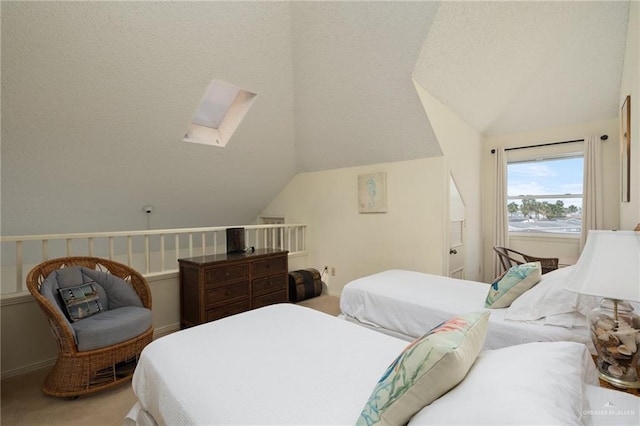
x=529, y=155
x=235, y=110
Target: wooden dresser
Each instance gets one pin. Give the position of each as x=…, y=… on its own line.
x=219, y=285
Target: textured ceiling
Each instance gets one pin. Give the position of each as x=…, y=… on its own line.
x=96, y=98
x=105, y=91
x=355, y=101
x=509, y=67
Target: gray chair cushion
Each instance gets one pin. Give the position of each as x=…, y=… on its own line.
x=119, y=292
x=49, y=289
x=74, y=276
x=114, y=294
x=111, y=327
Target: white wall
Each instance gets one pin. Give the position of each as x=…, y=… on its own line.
x=461, y=145
x=552, y=247
x=630, y=85
x=28, y=343
x=409, y=236
x=27, y=340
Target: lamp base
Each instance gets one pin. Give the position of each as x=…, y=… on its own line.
x=615, y=331
x=622, y=384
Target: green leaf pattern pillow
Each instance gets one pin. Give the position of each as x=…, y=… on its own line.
x=513, y=284
x=425, y=370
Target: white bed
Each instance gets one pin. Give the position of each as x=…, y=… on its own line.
x=406, y=304
x=285, y=364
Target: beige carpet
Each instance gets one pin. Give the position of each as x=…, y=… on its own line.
x=324, y=303
x=23, y=402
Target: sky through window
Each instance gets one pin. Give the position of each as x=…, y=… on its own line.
x=547, y=177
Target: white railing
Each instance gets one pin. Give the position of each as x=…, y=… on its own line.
x=151, y=252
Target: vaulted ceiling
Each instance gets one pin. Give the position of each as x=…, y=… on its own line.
x=508, y=67
x=105, y=91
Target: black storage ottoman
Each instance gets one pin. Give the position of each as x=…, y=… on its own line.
x=304, y=284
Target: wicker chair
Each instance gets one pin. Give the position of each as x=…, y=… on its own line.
x=509, y=257
x=78, y=372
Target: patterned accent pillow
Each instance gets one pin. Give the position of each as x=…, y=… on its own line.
x=425, y=370
x=508, y=287
x=82, y=301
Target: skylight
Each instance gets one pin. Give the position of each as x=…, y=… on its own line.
x=220, y=112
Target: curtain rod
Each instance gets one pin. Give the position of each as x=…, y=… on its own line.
x=603, y=137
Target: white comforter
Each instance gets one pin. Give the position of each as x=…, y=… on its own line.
x=409, y=304
x=273, y=365
x=285, y=364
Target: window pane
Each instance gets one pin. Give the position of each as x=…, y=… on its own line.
x=545, y=196
x=215, y=104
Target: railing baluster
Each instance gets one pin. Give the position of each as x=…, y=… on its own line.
x=18, y=286
x=161, y=252
x=129, y=250
x=277, y=236
x=147, y=255
x=177, y=246
x=45, y=250
x=111, y=249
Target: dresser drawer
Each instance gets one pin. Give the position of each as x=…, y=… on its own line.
x=217, y=277
x=269, y=266
x=269, y=284
x=218, y=285
x=220, y=295
x=270, y=299
x=225, y=311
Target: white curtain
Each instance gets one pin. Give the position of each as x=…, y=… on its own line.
x=592, y=203
x=501, y=223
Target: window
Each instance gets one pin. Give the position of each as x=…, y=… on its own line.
x=220, y=112
x=544, y=195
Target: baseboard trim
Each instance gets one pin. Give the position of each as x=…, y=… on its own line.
x=27, y=368
x=165, y=330
x=157, y=333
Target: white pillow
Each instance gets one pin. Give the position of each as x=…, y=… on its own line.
x=539, y=383
x=549, y=298
x=568, y=320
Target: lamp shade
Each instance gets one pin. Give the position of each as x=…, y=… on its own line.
x=609, y=266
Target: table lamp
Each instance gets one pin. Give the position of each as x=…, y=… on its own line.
x=609, y=267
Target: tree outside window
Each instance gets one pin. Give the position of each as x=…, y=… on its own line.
x=545, y=195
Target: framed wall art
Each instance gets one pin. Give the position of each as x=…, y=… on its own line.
x=372, y=193
x=625, y=150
